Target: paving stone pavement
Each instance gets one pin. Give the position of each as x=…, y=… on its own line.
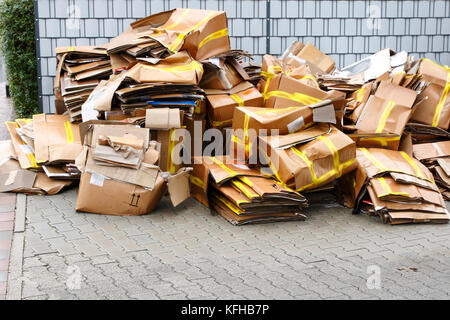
x=185, y=253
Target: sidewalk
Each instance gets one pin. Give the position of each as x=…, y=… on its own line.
x=187, y=253
x=7, y=201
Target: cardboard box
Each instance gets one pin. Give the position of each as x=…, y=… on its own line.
x=223, y=103
x=101, y=195
x=284, y=91
x=312, y=164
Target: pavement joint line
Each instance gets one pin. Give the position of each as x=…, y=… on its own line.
x=21, y=205
x=15, y=283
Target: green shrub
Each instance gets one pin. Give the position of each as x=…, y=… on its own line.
x=18, y=46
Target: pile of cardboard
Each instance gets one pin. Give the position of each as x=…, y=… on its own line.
x=302, y=129
x=243, y=195
x=79, y=71
x=120, y=171
x=40, y=156
x=396, y=187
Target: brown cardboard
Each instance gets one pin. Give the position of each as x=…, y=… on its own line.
x=317, y=60
x=170, y=160
x=24, y=153
x=56, y=140
x=312, y=164
x=425, y=151
x=435, y=111
x=178, y=186
x=284, y=91
x=223, y=76
x=163, y=118
x=391, y=106
x=203, y=33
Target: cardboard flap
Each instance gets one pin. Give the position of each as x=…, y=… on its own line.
x=245, y=85
x=289, y=140
x=16, y=180
x=163, y=118
x=179, y=187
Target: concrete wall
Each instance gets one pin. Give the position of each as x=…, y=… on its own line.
x=348, y=30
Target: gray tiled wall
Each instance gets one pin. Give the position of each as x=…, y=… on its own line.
x=340, y=28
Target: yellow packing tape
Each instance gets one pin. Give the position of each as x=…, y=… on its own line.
x=384, y=116
x=338, y=167
x=170, y=165
x=244, y=189
x=183, y=35
x=382, y=140
x=360, y=94
x=296, y=96
x=69, y=132
x=238, y=99
x=213, y=36
x=222, y=123
x=198, y=182
x=440, y=105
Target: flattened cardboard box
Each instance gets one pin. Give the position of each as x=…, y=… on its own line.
x=56, y=140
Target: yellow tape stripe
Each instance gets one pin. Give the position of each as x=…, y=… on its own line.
x=328, y=175
x=198, y=182
x=182, y=35
x=296, y=96
x=382, y=140
x=360, y=94
x=384, y=116
x=223, y=166
x=71, y=49
x=170, y=165
x=413, y=165
x=230, y=205
x=238, y=99
x=222, y=123
x=440, y=106
x=389, y=190
x=213, y=36
x=245, y=190
x=69, y=132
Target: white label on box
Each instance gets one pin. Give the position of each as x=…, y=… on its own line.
x=296, y=124
x=97, y=179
